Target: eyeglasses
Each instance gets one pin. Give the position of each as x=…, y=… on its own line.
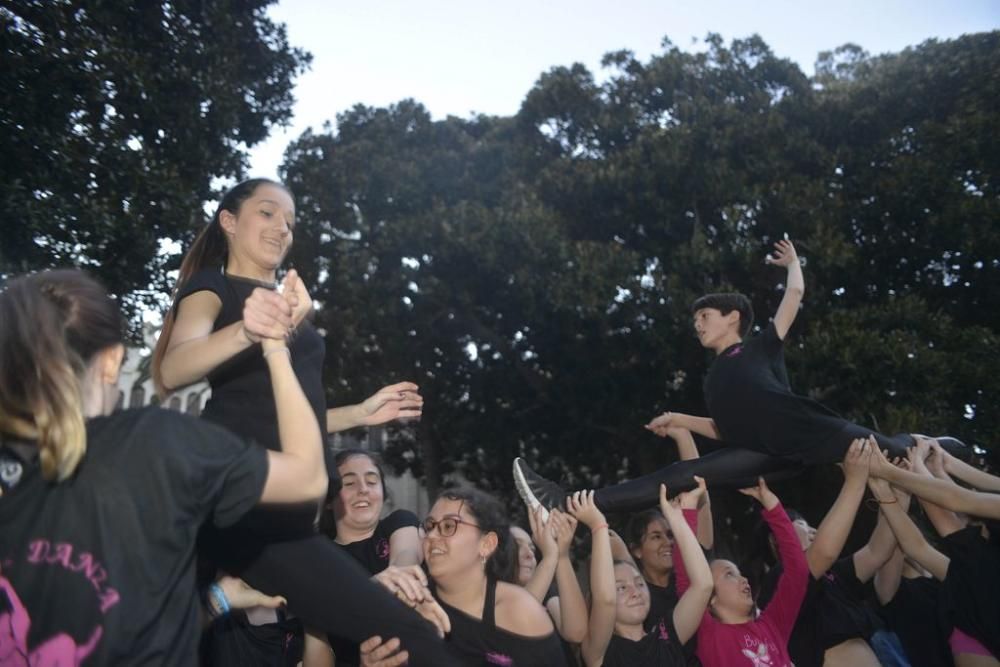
x=447, y=526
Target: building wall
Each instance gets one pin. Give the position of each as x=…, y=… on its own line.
x=135, y=389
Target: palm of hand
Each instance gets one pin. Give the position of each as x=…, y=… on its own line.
x=381, y=414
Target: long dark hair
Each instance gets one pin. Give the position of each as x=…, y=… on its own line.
x=210, y=249
x=335, y=459
x=491, y=517
x=53, y=323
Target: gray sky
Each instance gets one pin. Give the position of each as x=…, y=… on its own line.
x=458, y=57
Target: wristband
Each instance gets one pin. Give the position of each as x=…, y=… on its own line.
x=217, y=600
x=279, y=349
x=597, y=528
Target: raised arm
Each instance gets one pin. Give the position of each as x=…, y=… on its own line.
x=693, y=601
x=956, y=467
x=688, y=450
x=568, y=610
x=836, y=526
x=911, y=541
x=791, y=589
x=795, y=286
x=945, y=521
x=888, y=577
x=942, y=493
x=298, y=472
x=602, y=578
x=396, y=401
x=545, y=540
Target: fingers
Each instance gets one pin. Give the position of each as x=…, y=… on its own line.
x=374, y=653
x=700, y=481
x=400, y=386
x=433, y=612
x=663, y=494
x=267, y=314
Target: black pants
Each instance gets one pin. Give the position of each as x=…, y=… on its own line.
x=734, y=467
x=324, y=586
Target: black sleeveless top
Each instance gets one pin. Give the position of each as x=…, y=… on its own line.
x=242, y=398
x=480, y=643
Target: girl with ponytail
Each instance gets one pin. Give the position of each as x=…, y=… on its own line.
x=100, y=510
x=226, y=306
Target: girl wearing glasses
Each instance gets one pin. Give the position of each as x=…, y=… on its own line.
x=468, y=552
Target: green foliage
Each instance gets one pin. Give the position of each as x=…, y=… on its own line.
x=119, y=117
x=533, y=273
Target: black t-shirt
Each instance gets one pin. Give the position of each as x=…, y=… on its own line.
x=971, y=590
x=833, y=611
x=659, y=648
x=242, y=399
x=749, y=398
x=480, y=643
x=374, y=555
x=912, y=615
x=662, y=600
x=99, y=569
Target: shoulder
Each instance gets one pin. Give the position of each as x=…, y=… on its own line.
x=519, y=612
x=206, y=280
x=396, y=520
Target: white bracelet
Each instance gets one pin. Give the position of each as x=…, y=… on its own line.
x=279, y=349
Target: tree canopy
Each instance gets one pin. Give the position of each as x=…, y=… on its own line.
x=534, y=273
x=119, y=117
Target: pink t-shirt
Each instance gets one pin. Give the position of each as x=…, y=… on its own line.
x=763, y=642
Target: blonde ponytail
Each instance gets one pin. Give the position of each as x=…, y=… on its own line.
x=52, y=325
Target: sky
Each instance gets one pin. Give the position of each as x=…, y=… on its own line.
x=459, y=57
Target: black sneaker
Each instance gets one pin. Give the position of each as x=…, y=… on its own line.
x=536, y=491
x=955, y=447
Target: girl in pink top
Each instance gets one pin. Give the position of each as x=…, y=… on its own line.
x=732, y=632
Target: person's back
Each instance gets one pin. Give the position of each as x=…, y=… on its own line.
x=103, y=562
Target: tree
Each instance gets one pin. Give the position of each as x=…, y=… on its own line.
x=120, y=116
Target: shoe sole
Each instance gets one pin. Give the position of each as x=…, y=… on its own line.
x=524, y=490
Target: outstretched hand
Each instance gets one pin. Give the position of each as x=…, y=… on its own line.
x=783, y=255
x=581, y=505
x=396, y=401
x=762, y=494
x=855, y=463
x=663, y=424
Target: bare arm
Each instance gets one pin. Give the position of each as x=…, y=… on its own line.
x=569, y=610
x=316, y=651
x=297, y=473
x=942, y=493
x=602, y=579
x=703, y=426
x=405, y=548
x=881, y=545
x=396, y=401
x=692, y=604
x=911, y=541
x=545, y=540
x=688, y=450
x=945, y=522
x=956, y=467
x=795, y=286
x=833, y=531
x=888, y=577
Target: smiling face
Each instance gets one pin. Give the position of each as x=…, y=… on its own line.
x=732, y=598
x=713, y=328
x=632, y=595
x=260, y=233
x=358, y=506
x=655, y=551
x=526, y=560
x=460, y=553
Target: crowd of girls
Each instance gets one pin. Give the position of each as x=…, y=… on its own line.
x=145, y=536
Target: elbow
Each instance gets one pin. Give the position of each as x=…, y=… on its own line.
x=316, y=486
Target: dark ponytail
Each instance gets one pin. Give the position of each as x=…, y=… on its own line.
x=210, y=249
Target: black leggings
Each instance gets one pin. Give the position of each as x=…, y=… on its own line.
x=734, y=467
x=325, y=587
